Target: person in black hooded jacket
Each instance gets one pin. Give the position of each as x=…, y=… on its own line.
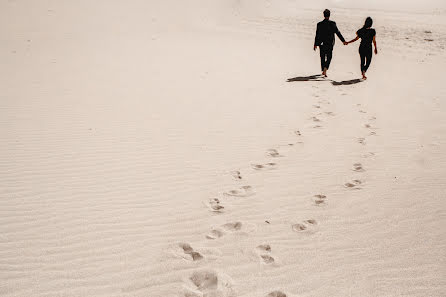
x=325, y=40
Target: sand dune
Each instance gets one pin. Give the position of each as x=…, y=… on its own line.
x=191, y=149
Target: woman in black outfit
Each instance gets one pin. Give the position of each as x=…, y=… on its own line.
x=367, y=35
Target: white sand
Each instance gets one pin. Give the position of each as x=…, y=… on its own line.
x=121, y=120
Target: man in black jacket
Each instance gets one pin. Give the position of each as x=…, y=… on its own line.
x=325, y=40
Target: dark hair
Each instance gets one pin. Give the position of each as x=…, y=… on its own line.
x=326, y=13
x=368, y=22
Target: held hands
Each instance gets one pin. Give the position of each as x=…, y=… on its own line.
x=376, y=51
x=345, y=43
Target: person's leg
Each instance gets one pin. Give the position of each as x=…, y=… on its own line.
x=322, y=54
x=325, y=59
x=368, y=57
x=329, y=56
x=363, y=62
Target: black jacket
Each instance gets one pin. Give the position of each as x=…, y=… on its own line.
x=325, y=33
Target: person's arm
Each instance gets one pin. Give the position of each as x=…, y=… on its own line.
x=317, y=39
x=339, y=34
x=374, y=43
x=353, y=40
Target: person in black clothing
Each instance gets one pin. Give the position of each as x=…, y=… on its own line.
x=367, y=35
x=325, y=40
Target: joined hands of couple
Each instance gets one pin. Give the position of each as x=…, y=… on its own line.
x=346, y=43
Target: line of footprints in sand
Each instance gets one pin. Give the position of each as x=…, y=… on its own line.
x=208, y=282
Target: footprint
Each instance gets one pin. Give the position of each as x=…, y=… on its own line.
x=185, y=251
x=305, y=226
x=372, y=118
x=330, y=113
x=311, y=222
x=236, y=175
x=214, y=234
x=188, y=250
x=358, y=167
x=353, y=184
x=264, y=248
x=267, y=259
x=316, y=106
x=214, y=205
x=267, y=166
x=233, y=227
x=273, y=153
x=208, y=283
x=297, y=132
x=319, y=199
x=317, y=126
x=315, y=119
x=368, y=155
x=299, y=227
x=372, y=133
x=368, y=126
x=264, y=251
x=205, y=280
x=196, y=256
x=276, y=294
x=243, y=191
x=349, y=185
x=362, y=111
x=361, y=140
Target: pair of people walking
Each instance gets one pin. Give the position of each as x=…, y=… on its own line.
x=325, y=40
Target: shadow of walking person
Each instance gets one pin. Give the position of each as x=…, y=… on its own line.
x=316, y=77
x=319, y=77
x=346, y=82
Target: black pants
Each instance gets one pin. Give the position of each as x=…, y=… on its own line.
x=326, y=53
x=366, y=54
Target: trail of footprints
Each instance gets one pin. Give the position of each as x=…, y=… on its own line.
x=209, y=282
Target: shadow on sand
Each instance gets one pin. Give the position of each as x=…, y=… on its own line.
x=346, y=82
x=316, y=77
x=319, y=77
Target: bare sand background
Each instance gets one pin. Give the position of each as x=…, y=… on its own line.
x=122, y=122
